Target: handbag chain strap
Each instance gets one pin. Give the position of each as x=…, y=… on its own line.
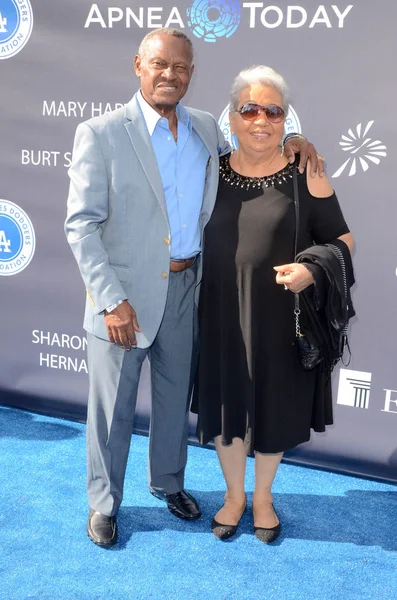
x=297, y=311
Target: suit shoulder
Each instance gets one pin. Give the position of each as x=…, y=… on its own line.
x=201, y=114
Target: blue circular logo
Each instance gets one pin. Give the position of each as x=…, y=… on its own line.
x=17, y=238
x=292, y=124
x=212, y=19
x=16, y=23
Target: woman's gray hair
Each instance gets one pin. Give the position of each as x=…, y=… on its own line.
x=165, y=31
x=259, y=75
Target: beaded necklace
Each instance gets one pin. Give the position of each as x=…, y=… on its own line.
x=236, y=180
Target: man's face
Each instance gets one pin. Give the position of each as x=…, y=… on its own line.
x=165, y=70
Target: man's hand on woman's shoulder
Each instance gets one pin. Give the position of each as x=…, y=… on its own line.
x=300, y=145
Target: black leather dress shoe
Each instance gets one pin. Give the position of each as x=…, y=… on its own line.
x=181, y=504
x=101, y=529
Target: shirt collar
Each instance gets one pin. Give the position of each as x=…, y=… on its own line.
x=152, y=117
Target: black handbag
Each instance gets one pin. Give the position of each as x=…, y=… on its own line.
x=309, y=352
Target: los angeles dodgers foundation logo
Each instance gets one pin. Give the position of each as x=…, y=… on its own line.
x=16, y=23
x=17, y=238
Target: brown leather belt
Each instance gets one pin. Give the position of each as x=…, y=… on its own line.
x=181, y=265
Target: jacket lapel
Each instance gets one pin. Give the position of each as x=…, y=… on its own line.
x=210, y=141
x=206, y=137
x=140, y=139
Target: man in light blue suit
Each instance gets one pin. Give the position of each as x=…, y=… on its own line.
x=143, y=183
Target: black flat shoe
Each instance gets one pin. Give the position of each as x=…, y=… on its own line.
x=101, y=529
x=224, y=532
x=267, y=535
x=181, y=504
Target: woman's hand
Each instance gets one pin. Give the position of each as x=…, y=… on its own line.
x=295, y=277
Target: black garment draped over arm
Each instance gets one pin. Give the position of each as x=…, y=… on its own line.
x=327, y=305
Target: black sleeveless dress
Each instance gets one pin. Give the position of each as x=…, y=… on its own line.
x=249, y=381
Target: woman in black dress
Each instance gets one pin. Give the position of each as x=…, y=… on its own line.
x=252, y=394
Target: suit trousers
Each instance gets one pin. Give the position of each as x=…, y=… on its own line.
x=114, y=376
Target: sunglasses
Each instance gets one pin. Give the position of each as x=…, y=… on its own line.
x=250, y=112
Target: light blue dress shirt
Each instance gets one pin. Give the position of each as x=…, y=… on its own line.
x=182, y=167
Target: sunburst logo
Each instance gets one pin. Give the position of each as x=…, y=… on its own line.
x=363, y=150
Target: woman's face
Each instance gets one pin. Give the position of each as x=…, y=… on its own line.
x=259, y=135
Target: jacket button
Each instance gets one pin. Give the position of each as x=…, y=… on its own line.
x=164, y=275
x=167, y=241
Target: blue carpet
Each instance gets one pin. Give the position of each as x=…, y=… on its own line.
x=339, y=537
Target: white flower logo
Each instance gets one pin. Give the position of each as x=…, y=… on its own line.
x=362, y=147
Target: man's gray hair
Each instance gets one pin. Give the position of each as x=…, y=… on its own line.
x=259, y=75
x=164, y=31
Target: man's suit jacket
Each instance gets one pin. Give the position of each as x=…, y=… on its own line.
x=117, y=223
